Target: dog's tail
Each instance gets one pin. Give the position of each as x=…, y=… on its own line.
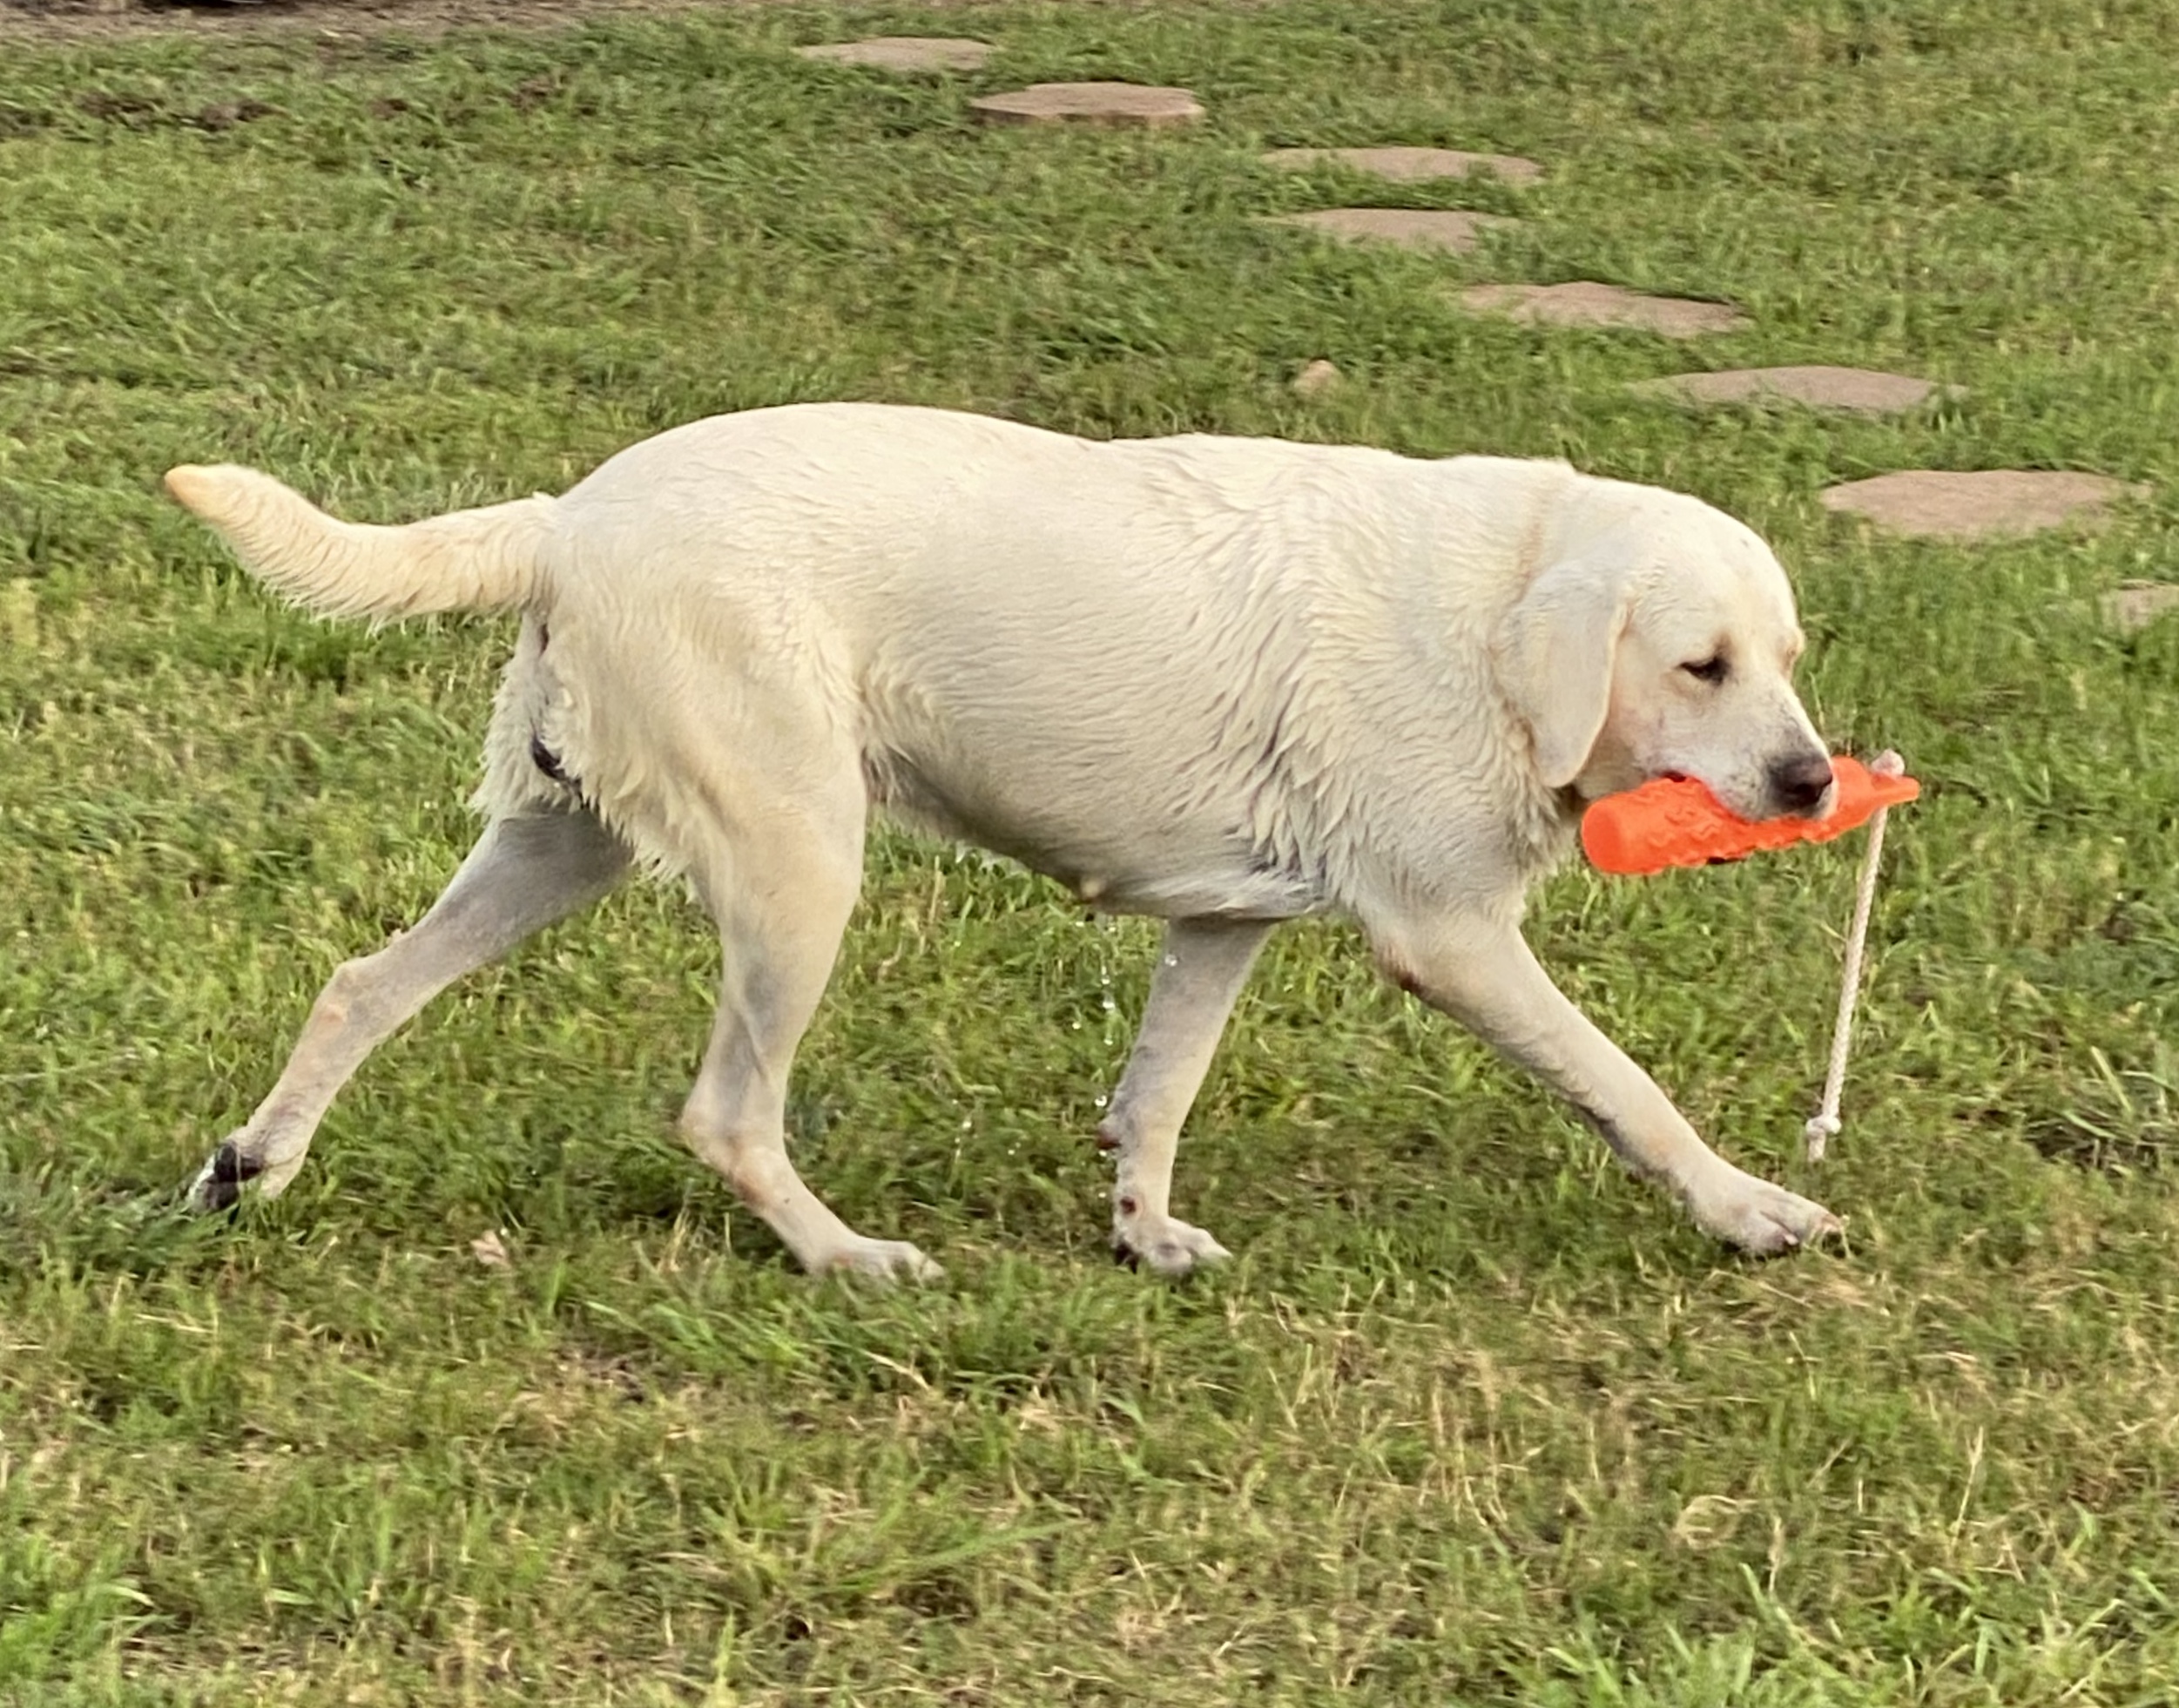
x=471, y=560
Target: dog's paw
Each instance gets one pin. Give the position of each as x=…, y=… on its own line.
x=219, y=1182
x=265, y=1160
x=1169, y=1247
x=880, y=1261
x=1762, y=1219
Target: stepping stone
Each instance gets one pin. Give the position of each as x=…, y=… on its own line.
x=2134, y=605
x=1860, y=390
x=1409, y=228
x=1589, y=304
x=1928, y=504
x=1412, y=166
x=1109, y=103
x=905, y=53
x=1317, y=378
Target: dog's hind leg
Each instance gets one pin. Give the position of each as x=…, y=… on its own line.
x=781, y=884
x=524, y=872
x=1200, y=972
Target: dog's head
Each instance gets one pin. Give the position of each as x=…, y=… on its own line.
x=1658, y=639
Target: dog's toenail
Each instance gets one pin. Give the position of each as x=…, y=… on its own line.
x=231, y=1167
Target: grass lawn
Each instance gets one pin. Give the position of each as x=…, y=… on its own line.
x=1471, y=1417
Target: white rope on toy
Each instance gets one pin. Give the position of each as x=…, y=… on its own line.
x=1825, y=1124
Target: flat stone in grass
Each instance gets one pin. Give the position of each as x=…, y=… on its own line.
x=1993, y=502
x=1413, y=166
x=1109, y=103
x=904, y=53
x=1858, y=390
x=1409, y=228
x=1319, y=378
x=2134, y=605
x=1589, y=304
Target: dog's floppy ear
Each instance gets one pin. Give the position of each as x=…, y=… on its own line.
x=1553, y=654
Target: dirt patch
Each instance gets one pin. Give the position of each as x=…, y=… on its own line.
x=61, y=20
x=138, y=112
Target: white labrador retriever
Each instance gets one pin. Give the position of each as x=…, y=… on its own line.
x=1224, y=682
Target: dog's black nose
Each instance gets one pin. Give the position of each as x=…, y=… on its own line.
x=1799, y=785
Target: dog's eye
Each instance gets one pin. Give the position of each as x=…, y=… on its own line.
x=1712, y=670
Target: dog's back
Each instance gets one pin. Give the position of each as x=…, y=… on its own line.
x=1136, y=624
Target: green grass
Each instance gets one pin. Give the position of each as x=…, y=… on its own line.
x=1471, y=1417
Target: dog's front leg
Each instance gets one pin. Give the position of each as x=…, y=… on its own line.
x=1483, y=973
x=1200, y=972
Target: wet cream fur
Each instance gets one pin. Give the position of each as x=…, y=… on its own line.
x=1224, y=682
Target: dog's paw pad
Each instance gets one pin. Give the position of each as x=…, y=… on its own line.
x=1171, y=1248
x=882, y=1260
x=219, y=1185
x=1765, y=1220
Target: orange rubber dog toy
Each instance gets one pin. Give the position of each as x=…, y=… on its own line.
x=1676, y=821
